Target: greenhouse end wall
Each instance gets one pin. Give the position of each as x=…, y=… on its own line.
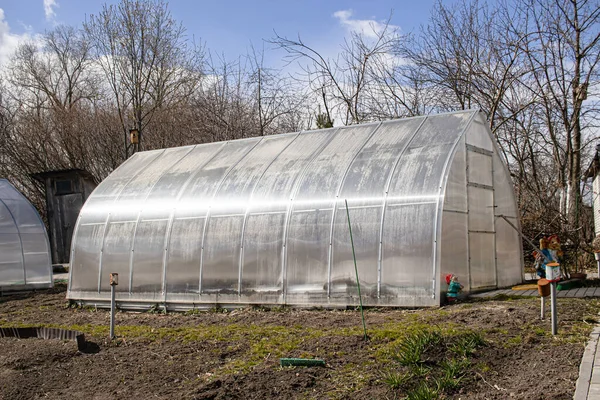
x=264, y=220
x=24, y=248
x=478, y=245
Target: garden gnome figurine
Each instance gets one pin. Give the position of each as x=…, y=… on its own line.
x=539, y=264
x=554, y=248
x=454, y=287
x=551, y=251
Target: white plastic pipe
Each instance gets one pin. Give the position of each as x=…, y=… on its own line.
x=543, y=308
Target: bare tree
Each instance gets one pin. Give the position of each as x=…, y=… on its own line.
x=277, y=101
x=343, y=82
x=49, y=83
x=146, y=58
x=57, y=70
x=563, y=51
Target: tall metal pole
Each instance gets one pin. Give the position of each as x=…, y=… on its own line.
x=114, y=281
x=553, y=307
x=112, y=312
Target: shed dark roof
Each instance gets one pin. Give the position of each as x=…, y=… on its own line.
x=41, y=176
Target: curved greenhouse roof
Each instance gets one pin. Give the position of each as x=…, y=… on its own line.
x=24, y=249
x=263, y=220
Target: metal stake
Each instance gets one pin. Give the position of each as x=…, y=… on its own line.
x=114, y=281
x=553, y=307
x=356, y=270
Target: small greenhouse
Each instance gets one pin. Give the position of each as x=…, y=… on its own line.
x=263, y=220
x=24, y=248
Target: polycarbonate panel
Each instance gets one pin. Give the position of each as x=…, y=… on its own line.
x=24, y=247
x=364, y=188
x=454, y=257
x=221, y=256
x=34, y=243
x=11, y=252
x=273, y=191
x=369, y=172
x=8, y=191
x=183, y=262
x=116, y=255
x=308, y=251
x=35, y=253
x=268, y=211
x=132, y=199
x=198, y=196
x=229, y=206
x=37, y=267
x=262, y=253
x=235, y=192
x=11, y=261
x=148, y=253
x=480, y=168
x=189, y=223
x=455, y=195
x=7, y=223
x=478, y=136
x=508, y=253
x=25, y=216
x=86, y=263
x=366, y=222
x=308, y=247
x=153, y=235
x=174, y=179
x=158, y=183
x=481, y=209
x=323, y=177
x=407, y=265
x=504, y=193
x=482, y=260
x=417, y=177
x=98, y=206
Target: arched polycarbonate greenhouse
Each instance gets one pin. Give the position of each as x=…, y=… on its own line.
x=24, y=248
x=263, y=220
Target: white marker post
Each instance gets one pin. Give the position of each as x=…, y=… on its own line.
x=114, y=281
x=543, y=308
x=544, y=291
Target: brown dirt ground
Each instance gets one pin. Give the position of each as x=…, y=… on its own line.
x=231, y=355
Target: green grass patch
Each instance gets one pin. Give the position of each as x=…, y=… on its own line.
x=432, y=363
x=397, y=379
x=423, y=391
x=411, y=349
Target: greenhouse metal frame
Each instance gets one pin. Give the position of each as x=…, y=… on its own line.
x=262, y=220
x=24, y=248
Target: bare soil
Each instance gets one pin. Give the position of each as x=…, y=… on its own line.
x=235, y=354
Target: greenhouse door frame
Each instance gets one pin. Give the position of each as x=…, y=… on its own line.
x=481, y=227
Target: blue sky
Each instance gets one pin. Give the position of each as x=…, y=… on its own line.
x=227, y=26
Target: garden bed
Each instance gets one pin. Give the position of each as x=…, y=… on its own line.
x=235, y=354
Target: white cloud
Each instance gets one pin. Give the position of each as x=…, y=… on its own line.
x=9, y=41
x=49, y=6
x=368, y=27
